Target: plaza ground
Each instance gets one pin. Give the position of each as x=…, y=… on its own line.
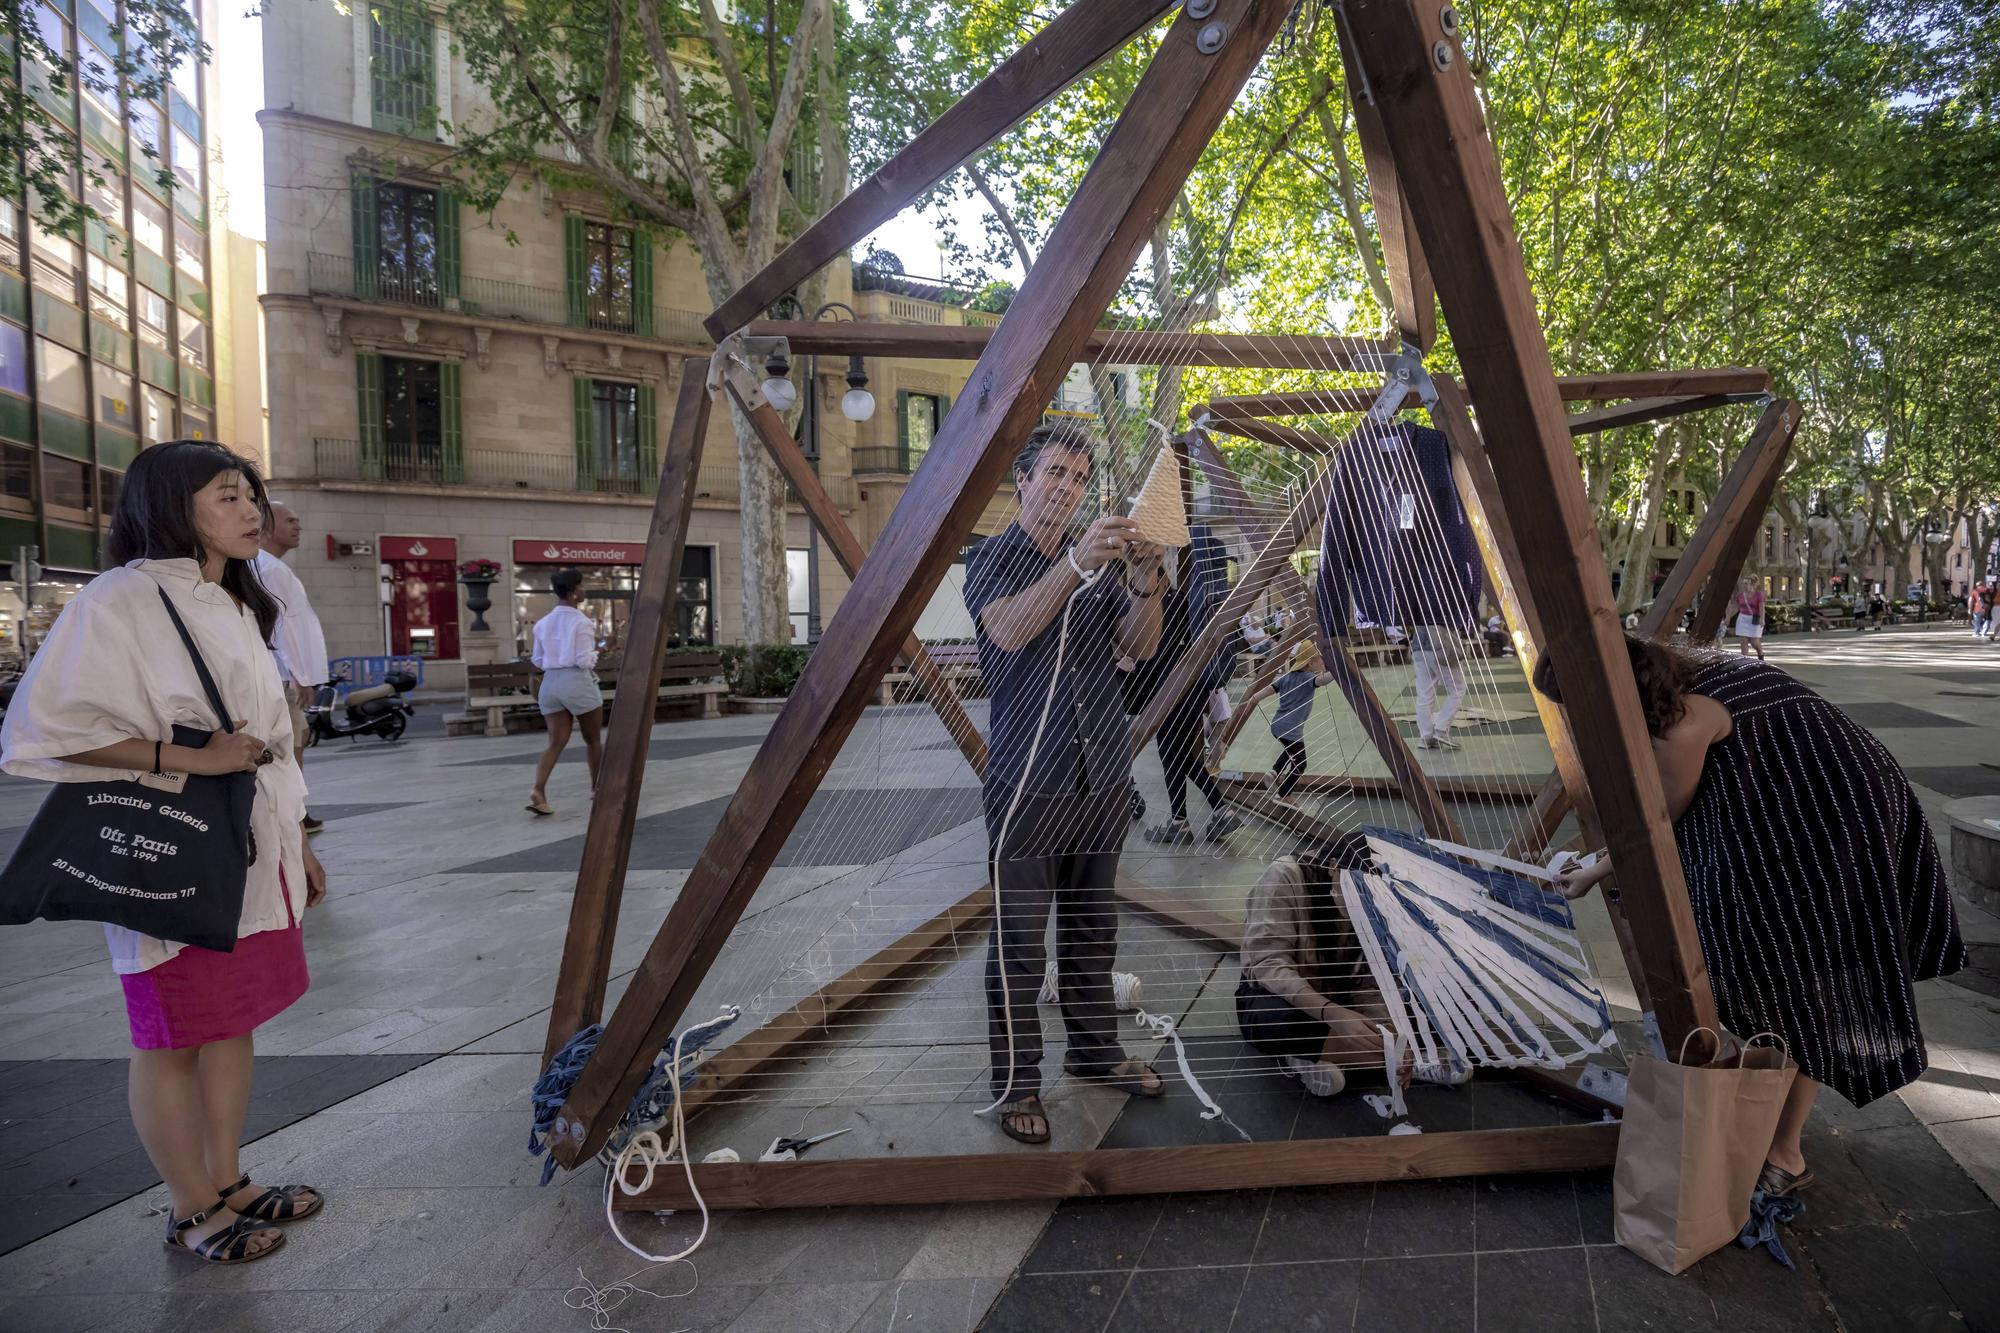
x=399, y=1084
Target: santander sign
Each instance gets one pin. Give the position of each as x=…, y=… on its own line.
x=544, y=552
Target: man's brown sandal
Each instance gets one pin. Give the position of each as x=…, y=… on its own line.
x=1025, y=1112
x=280, y=1203
x=1131, y=1076
x=231, y=1245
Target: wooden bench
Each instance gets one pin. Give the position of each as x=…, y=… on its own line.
x=958, y=662
x=499, y=688
x=686, y=676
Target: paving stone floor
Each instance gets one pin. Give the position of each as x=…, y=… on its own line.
x=438, y=949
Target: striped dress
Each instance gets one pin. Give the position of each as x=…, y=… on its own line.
x=1816, y=884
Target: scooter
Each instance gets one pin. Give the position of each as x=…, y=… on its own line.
x=376, y=710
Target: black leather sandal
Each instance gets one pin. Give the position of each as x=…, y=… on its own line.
x=1128, y=1076
x=1025, y=1109
x=231, y=1245
x=280, y=1203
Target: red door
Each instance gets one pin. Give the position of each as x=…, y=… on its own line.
x=423, y=609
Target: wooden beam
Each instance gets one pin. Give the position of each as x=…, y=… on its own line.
x=823, y=514
x=1641, y=410
x=1729, y=383
x=1735, y=508
x=1270, y=432
x=829, y=1182
x=1142, y=347
x=1181, y=98
x=741, y=1062
x=1499, y=790
x=1074, y=41
x=1736, y=547
x=585, y=969
x=1409, y=274
x=1438, y=139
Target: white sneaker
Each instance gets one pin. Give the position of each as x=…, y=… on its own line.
x=1321, y=1080
x=1444, y=1075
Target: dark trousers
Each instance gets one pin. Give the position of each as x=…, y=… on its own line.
x=1179, y=743
x=1061, y=858
x=1274, y=1025
x=1291, y=766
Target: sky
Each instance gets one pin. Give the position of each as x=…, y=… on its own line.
x=239, y=61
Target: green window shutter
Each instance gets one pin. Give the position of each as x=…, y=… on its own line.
x=903, y=430
x=451, y=421
x=943, y=410
x=649, y=436
x=573, y=266
x=447, y=227
x=642, y=284
x=368, y=383
x=367, y=238
x=586, y=451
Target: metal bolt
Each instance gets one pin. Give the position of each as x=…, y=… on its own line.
x=1210, y=39
x=1200, y=9
x=1448, y=20
x=1441, y=55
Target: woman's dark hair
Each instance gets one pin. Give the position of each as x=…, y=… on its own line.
x=1320, y=859
x=154, y=518
x=1661, y=673
x=564, y=583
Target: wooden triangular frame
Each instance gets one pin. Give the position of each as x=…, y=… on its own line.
x=1416, y=81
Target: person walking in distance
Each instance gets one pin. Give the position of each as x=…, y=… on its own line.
x=1053, y=616
x=100, y=703
x=1747, y=609
x=298, y=643
x=1295, y=688
x=566, y=653
x=1980, y=604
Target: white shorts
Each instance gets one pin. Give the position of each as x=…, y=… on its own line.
x=570, y=690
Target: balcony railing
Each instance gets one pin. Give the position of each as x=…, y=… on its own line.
x=333, y=275
x=511, y=470
x=877, y=459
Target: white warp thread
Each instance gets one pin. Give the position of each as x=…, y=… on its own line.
x=1163, y=1027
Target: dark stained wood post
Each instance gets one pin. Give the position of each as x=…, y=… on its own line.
x=1170, y=118
x=847, y=549
x=1431, y=114
x=1714, y=553
x=1774, y=433
x=607, y=839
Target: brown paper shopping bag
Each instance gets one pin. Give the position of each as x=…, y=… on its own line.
x=1691, y=1148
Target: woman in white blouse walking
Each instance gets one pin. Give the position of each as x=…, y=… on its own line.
x=566, y=653
x=101, y=695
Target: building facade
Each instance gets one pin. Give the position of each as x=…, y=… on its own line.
x=107, y=339
x=447, y=386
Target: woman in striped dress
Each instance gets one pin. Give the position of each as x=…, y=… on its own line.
x=1816, y=885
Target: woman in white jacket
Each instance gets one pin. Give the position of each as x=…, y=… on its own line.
x=100, y=701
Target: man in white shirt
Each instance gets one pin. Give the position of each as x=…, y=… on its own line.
x=298, y=642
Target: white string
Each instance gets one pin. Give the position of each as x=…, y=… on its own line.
x=645, y=1146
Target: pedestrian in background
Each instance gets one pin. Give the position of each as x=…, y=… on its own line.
x=1747, y=607
x=100, y=702
x=1981, y=605
x=298, y=643
x=566, y=653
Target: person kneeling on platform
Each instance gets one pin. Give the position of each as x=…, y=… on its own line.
x=1301, y=960
x=1055, y=611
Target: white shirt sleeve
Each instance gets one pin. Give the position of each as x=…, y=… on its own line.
x=297, y=639
x=583, y=650
x=85, y=688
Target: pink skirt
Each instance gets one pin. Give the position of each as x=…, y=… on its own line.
x=200, y=996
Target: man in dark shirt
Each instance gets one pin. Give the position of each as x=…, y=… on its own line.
x=1053, y=617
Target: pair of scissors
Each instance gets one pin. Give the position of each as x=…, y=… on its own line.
x=788, y=1150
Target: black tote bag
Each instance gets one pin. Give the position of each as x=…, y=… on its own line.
x=170, y=865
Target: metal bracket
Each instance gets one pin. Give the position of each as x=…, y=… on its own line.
x=1406, y=375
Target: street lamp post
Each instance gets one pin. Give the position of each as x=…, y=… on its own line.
x=857, y=405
